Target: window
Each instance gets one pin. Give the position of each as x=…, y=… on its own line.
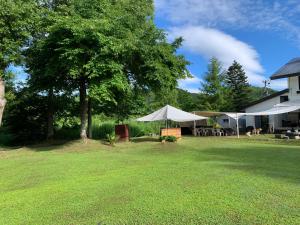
x=225, y=120
x=284, y=98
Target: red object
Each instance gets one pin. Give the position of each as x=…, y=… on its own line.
x=122, y=132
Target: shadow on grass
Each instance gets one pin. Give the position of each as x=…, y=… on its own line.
x=281, y=162
x=144, y=139
x=51, y=145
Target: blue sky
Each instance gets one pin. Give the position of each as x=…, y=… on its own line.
x=262, y=35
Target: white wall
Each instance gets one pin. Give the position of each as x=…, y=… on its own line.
x=262, y=106
x=231, y=122
x=293, y=85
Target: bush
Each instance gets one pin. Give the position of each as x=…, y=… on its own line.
x=6, y=138
x=168, y=138
x=111, y=139
x=67, y=133
x=100, y=130
x=138, y=129
x=135, y=130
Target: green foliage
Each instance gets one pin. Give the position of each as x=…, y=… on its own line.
x=168, y=138
x=136, y=129
x=6, y=137
x=17, y=19
x=67, y=133
x=213, y=91
x=139, y=129
x=238, y=87
x=108, y=57
x=111, y=139
x=188, y=101
x=100, y=130
x=25, y=116
x=257, y=93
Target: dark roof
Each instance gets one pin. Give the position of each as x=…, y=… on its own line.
x=291, y=69
x=268, y=97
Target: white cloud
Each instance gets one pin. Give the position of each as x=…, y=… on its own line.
x=199, y=22
x=209, y=43
x=191, y=85
x=280, y=16
x=206, y=12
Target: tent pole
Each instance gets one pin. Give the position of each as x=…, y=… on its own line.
x=237, y=126
x=194, y=126
x=273, y=124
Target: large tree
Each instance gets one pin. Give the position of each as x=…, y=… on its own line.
x=238, y=86
x=17, y=19
x=104, y=48
x=213, y=91
x=46, y=74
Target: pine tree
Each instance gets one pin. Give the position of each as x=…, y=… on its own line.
x=212, y=88
x=238, y=86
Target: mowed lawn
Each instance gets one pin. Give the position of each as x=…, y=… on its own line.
x=195, y=181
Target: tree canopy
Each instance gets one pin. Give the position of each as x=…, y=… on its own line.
x=104, y=49
x=213, y=90
x=238, y=87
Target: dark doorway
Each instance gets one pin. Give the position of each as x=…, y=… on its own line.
x=262, y=122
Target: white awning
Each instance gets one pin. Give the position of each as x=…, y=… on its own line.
x=275, y=110
x=280, y=108
x=171, y=113
x=235, y=115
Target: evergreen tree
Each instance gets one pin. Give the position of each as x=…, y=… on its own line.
x=213, y=91
x=238, y=86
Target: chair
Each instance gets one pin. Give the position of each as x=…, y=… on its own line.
x=218, y=132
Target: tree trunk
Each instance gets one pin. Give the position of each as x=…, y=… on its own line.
x=90, y=131
x=2, y=98
x=83, y=109
x=50, y=115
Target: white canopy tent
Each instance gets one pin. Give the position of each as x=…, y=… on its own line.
x=171, y=113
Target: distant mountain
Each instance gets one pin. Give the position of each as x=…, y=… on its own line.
x=191, y=101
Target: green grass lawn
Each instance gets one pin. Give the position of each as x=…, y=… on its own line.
x=195, y=181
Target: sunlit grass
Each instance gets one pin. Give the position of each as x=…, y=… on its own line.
x=194, y=181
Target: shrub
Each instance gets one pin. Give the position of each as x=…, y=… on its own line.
x=168, y=138
x=100, y=130
x=111, y=139
x=6, y=138
x=67, y=133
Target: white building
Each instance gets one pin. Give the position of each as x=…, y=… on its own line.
x=291, y=71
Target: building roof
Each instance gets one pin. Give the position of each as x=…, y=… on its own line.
x=291, y=69
x=268, y=97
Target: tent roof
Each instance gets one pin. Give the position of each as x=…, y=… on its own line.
x=212, y=113
x=208, y=113
x=291, y=69
x=275, y=111
x=171, y=113
x=281, y=108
